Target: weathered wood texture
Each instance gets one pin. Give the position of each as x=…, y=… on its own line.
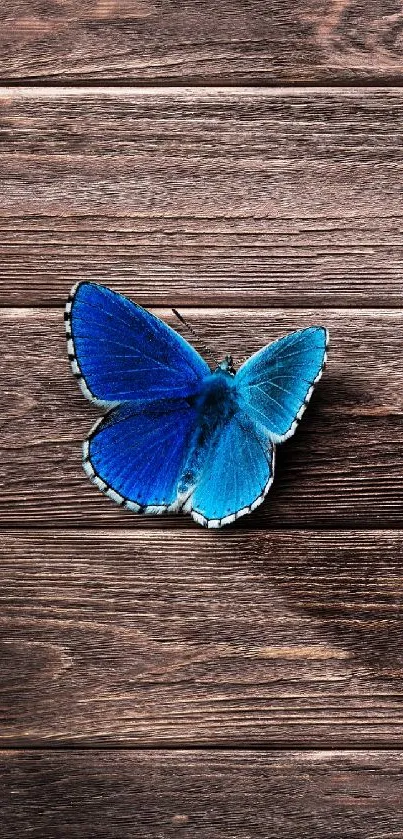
x=158, y=637
x=157, y=794
x=203, y=197
x=343, y=467
x=260, y=41
x=142, y=632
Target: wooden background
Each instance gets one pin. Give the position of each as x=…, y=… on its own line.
x=242, y=160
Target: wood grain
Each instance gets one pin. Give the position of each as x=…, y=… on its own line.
x=131, y=632
x=245, y=197
x=254, y=41
x=343, y=467
x=193, y=638
x=251, y=795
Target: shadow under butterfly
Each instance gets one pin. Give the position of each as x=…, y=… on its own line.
x=177, y=436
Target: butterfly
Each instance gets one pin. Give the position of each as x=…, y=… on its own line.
x=178, y=436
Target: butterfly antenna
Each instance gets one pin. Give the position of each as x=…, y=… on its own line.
x=195, y=335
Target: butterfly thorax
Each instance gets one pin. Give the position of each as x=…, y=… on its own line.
x=216, y=401
x=215, y=404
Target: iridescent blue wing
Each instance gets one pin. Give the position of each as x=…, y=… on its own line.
x=119, y=352
x=136, y=457
x=147, y=375
x=275, y=385
x=237, y=474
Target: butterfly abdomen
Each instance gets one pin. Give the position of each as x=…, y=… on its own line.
x=216, y=405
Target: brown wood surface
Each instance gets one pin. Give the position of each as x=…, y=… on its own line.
x=253, y=197
x=157, y=637
x=263, y=209
x=247, y=795
x=259, y=41
x=342, y=468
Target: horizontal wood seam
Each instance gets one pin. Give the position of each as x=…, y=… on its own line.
x=94, y=84
x=114, y=529
x=225, y=307
x=205, y=306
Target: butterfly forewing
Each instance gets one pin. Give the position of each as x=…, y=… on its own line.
x=121, y=353
x=276, y=383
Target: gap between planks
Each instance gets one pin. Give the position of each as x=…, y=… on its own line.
x=143, y=84
x=206, y=306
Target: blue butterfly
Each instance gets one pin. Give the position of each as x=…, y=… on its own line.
x=177, y=436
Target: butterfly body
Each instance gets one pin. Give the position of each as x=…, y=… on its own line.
x=216, y=403
x=178, y=436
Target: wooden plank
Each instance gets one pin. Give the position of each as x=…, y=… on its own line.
x=246, y=196
x=147, y=637
x=343, y=467
x=284, y=41
x=250, y=795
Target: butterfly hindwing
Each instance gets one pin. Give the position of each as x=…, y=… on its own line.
x=119, y=352
x=136, y=457
x=237, y=474
x=276, y=383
